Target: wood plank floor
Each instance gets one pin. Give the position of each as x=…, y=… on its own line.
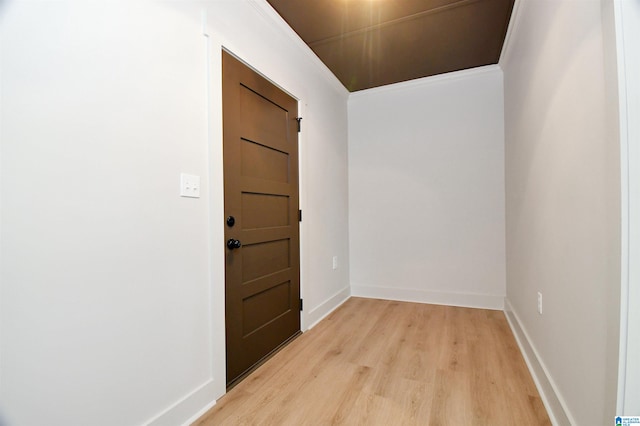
x=378, y=362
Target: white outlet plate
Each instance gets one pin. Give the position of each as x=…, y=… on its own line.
x=540, y=303
x=189, y=185
x=335, y=262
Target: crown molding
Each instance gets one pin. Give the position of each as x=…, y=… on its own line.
x=270, y=15
x=511, y=29
x=425, y=81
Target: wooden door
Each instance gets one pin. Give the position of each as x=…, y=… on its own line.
x=261, y=208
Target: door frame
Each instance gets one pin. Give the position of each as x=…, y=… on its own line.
x=214, y=48
x=627, y=28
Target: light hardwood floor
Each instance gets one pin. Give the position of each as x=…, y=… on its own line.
x=378, y=362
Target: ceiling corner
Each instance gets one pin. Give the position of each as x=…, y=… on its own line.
x=271, y=15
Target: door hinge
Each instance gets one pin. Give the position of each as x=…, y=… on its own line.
x=301, y=304
x=299, y=215
x=299, y=119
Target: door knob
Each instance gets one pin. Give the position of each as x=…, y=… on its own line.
x=231, y=221
x=233, y=244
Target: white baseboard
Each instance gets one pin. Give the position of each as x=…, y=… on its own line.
x=467, y=300
x=203, y=399
x=182, y=412
x=551, y=398
x=318, y=313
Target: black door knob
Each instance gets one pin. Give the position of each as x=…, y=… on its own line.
x=231, y=221
x=233, y=244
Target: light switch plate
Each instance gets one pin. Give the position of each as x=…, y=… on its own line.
x=189, y=185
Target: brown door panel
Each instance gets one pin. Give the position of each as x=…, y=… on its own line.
x=262, y=285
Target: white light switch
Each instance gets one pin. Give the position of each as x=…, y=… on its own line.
x=335, y=262
x=189, y=185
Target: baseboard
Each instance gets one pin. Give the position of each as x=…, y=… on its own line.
x=553, y=401
x=203, y=399
x=467, y=300
x=319, y=313
x=182, y=412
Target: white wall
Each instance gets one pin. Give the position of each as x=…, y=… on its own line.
x=112, y=285
x=563, y=205
x=426, y=190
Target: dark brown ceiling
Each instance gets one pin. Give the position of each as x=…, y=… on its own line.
x=370, y=43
